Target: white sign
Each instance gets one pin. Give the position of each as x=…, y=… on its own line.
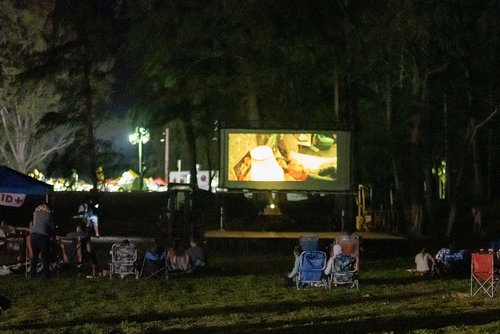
x=15, y=200
x=184, y=177
x=179, y=177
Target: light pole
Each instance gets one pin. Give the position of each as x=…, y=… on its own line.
x=140, y=136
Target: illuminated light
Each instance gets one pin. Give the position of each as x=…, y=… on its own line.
x=272, y=206
x=140, y=136
x=264, y=165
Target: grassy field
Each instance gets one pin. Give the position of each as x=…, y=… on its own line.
x=243, y=294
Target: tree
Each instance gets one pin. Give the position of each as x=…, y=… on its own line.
x=26, y=142
x=80, y=39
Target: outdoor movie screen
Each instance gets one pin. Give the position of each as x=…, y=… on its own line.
x=285, y=160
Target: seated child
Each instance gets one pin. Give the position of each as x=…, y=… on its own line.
x=336, y=250
x=176, y=258
x=289, y=278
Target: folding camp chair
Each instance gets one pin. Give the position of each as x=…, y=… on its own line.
x=483, y=276
x=123, y=260
x=154, y=265
x=76, y=253
x=312, y=264
x=345, y=271
x=309, y=243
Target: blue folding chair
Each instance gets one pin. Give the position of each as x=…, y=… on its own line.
x=311, y=268
x=153, y=265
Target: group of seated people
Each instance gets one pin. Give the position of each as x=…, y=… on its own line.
x=339, y=246
x=448, y=260
x=179, y=259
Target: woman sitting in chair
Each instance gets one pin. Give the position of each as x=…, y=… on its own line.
x=177, y=260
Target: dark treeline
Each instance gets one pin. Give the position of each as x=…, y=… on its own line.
x=414, y=80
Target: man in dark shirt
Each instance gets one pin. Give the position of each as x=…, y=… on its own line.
x=41, y=230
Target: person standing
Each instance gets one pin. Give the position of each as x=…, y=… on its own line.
x=41, y=231
x=73, y=183
x=88, y=212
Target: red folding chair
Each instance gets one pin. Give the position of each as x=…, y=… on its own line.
x=483, y=277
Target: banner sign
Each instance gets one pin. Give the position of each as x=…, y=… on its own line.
x=15, y=200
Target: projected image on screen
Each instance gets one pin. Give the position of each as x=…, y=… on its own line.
x=285, y=159
x=295, y=157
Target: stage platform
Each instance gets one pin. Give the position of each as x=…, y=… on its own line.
x=222, y=234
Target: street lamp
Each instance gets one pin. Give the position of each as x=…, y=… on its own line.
x=140, y=136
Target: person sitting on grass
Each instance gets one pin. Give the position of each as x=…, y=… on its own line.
x=425, y=264
x=195, y=255
x=289, y=279
x=176, y=257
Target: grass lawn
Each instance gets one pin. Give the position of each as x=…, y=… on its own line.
x=243, y=294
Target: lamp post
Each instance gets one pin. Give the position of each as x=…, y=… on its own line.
x=140, y=136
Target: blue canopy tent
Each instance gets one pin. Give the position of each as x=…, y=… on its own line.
x=15, y=186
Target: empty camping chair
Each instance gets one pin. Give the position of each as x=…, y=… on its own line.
x=483, y=277
x=312, y=264
x=154, y=265
x=123, y=260
x=345, y=271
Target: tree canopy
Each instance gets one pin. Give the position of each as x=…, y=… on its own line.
x=414, y=81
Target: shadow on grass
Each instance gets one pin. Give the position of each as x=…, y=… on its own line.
x=398, y=280
x=323, y=324
x=339, y=325
x=282, y=307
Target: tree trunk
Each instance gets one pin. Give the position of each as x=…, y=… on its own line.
x=476, y=162
x=429, y=195
x=388, y=105
x=187, y=123
x=414, y=188
x=88, y=118
x=208, y=152
x=390, y=133
x=414, y=216
x=415, y=182
x=336, y=95
x=253, y=113
x=455, y=197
